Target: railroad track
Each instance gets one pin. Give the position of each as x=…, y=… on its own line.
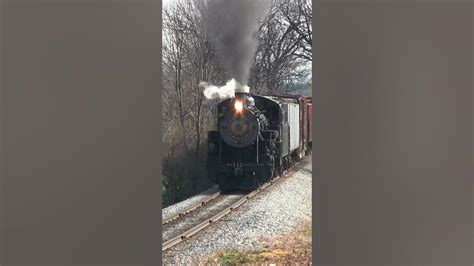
x=225, y=205
x=190, y=209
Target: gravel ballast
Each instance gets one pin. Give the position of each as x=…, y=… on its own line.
x=185, y=204
x=277, y=210
x=181, y=225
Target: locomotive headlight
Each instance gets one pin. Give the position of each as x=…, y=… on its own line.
x=238, y=105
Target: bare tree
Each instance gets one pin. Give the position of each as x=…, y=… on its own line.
x=188, y=59
x=298, y=14
x=173, y=61
x=279, y=59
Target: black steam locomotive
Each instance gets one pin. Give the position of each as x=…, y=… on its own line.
x=258, y=137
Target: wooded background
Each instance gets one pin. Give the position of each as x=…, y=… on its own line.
x=282, y=63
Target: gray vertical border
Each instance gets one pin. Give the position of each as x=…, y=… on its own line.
x=388, y=189
x=2, y=151
x=161, y=144
x=80, y=130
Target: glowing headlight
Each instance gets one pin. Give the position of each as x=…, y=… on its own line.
x=238, y=106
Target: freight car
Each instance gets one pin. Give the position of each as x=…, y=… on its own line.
x=257, y=138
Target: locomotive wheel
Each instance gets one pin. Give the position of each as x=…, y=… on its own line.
x=286, y=163
x=279, y=168
x=272, y=168
x=268, y=171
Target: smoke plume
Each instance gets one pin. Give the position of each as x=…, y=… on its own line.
x=232, y=24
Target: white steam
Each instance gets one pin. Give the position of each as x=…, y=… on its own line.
x=223, y=92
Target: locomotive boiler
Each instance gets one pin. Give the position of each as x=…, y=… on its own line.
x=257, y=138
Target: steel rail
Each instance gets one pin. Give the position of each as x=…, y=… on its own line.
x=194, y=230
x=190, y=209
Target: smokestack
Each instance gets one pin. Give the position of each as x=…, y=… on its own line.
x=241, y=89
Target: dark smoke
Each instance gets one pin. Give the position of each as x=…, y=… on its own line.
x=232, y=24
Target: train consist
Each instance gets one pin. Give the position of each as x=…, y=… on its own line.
x=257, y=138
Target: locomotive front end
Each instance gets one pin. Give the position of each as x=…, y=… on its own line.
x=241, y=151
x=239, y=125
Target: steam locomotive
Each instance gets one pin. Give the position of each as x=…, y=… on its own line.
x=257, y=138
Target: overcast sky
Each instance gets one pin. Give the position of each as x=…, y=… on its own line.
x=165, y=2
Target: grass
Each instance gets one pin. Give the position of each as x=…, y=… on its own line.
x=289, y=248
x=233, y=258
x=307, y=232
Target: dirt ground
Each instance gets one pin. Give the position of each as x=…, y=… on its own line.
x=293, y=248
